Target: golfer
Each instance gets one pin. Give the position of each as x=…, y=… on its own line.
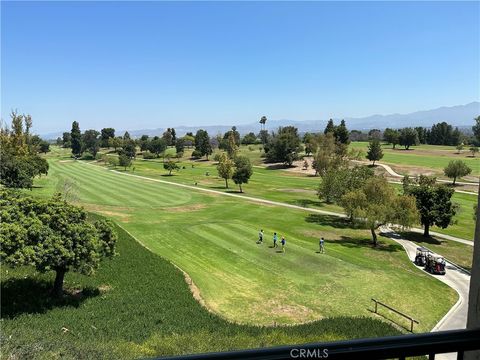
x=322, y=247
x=283, y=242
x=260, y=237
x=275, y=238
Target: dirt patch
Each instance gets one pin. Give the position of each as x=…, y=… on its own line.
x=121, y=213
x=104, y=288
x=188, y=208
x=65, y=161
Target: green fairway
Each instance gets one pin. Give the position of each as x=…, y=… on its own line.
x=431, y=157
x=137, y=305
x=288, y=187
x=213, y=239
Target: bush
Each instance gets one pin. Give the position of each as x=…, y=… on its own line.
x=179, y=155
x=196, y=154
x=251, y=148
x=87, y=156
x=149, y=155
x=99, y=157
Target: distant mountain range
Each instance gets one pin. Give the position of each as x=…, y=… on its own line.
x=460, y=115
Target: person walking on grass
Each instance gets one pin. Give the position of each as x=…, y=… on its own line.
x=322, y=247
x=260, y=237
x=283, y=242
x=275, y=238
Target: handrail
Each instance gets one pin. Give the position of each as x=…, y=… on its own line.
x=412, y=320
x=401, y=346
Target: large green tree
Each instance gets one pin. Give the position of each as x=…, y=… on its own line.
x=91, y=141
x=157, y=146
x=19, y=161
x=52, y=235
x=170, y=165
x=202, y=143
x=408, y=137
x=106, y=134
x=433, y=201
x=374, y=152
x=391, y=136
x=456, y=169
x=76, y=139
x=243, y=171
x=284, y=146
x=376, y=204
x=225, y=168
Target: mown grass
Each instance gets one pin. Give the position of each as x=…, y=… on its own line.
x=213, y=238
x=289, y=187
x=136, y=305
x=431, y=157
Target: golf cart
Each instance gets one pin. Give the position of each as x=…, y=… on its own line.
x=435, y=264
x=421, y=256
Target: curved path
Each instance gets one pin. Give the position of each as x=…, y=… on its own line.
x=457, y=279
x=392, y=172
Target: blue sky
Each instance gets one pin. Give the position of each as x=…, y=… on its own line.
x=157, y=64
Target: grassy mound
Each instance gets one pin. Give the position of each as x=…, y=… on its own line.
x=137, y=305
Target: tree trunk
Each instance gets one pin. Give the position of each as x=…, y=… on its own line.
x=226, y=183
x=57, y=290
x=374, y=236
x=426, y=230
x=454, y=179
x=240, y=186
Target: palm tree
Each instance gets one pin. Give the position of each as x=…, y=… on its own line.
x=263, y=120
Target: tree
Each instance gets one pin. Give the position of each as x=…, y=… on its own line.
x=330, y=154
x=459, y=148
x=456, y=169
x=284, y=146
x=375, y=152
x=341, y=133
x=474, y=150
x=202, y=143
x=126, y=136
x=52, y=235
x=20, y=163
x=170, y=165
x=310, y=142
x=44, y=147
x=336, y=182
x=168, y=137
x=225, y=168
x=129, y=148
x=143, y=142
x=106, y=134
x=66, y=140
x=376, y=204
x=174, y=135
x=330, y=128
x=91, y=142
x=476, y=129
x=243, y=171
x=116, y=142
x=76, y=139
x=180, y=146
x=391, y=136
x=157, y=146
x=408, y=137
x=124, y=160
x=433, y=202
x=263, y=121
x=249, y=139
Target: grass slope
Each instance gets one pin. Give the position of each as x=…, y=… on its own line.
x=136, y=305
x=213, y=239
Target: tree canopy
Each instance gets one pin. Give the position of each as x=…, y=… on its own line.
x=374, y=152
x=456, y=169
x=202, y=143
x=243, y=171
x=284, y=146
x=52, y=235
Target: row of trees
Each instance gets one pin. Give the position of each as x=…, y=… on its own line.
x=19, y=153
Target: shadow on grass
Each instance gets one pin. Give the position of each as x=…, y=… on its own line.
x=307, y=203
x=420, y=239
x=278, y=166
x=167, y=175
x=32, y=296
x=365, y=243
x=329, y=220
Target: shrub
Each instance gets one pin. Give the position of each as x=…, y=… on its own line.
x=196, y=154
x=148, y=155
x=87, y=156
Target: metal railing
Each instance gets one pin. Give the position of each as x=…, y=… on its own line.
x=394, y=347
x=412, y=320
